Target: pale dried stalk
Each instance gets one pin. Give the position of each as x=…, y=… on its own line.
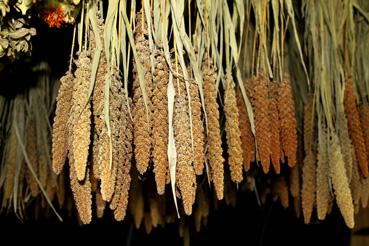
x=123, y=157
x=309, y=125
x=160, y=123
x=354, y=126
x=80, y=116
x=258, y=93
x=364, y=120
x=147, y=223
x=214, y=142
x=32, y=156
x=340, y=182
x=136, y=202
x=60, y=191
x=107, y=173
x=233, y=132
x=100, y=205
x=308, y=192
x=11, y=162
x=355, y=184
x=282, y=191
x=275, y=128
x=247, y=138
x=364, y=196
x=98, y=98
x=82, y=195
x=286, y=107
x=346, y=144
x=60, y=132
x=141, y=118
x=43, y=166
x=323, y=196
x=197, y=129
x=295, y=181
x=185, y=173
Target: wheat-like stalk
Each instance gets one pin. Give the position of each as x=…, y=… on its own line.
x=214, y=142
x=233, y=132
x=354, y=126
x=123, y=157
x=60, y=132
x=60, y=190
x=160, y=123
x=340, y=182
x=308, y=191
x=247, y=138
x=282, y=191
x=355, y=184
x=141, y=117
x=98, y=101
x=364, y=120
x=309, y=125
x=295, y=181
x=287, y=116
x=82, y=195
x=185, y=173
x=364, y=196
x=11, y=162
x=31, y=149
x=275, y=128
x=346, y=144
x=323, y=196
x=197, y=129
x=80, y=116
x=136, y=201
x=100, y=205
x=258, y=93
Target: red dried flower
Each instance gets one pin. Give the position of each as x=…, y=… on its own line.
x=54, y=17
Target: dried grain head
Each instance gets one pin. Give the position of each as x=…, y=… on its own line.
x=354, y=126
x=82, y=195
x=275, y=127
x=233, y=132
x=258, y=93
x=32, y=156
x=286, y=107
x=185, y=173
x=247, y=138
x=340, y=182
x=142, y=118
x=323, y=195
x=197, y=129
x=60, y=133
x=214, y=143
x=80, y=114
x=160, y=122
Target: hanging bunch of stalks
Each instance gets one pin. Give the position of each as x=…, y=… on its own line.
x=26, y=174
x=169, y=105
